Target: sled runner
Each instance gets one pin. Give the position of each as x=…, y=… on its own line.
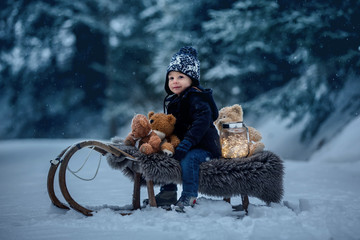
x=63, y=159
x=260, y=175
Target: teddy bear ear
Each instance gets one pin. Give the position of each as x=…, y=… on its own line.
x=144, y=122
x=171, y=119
x=150, y=114
x=238, y=108
x=136, y=117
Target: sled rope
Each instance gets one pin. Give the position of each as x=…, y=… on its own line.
x=87, y=158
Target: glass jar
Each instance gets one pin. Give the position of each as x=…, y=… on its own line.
x=234, y=139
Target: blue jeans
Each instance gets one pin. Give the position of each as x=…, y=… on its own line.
x=190, y=168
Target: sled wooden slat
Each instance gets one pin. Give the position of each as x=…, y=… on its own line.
x=136, y=191
x=245, y=202
x=50, y=182
x=62, y=181
x=119, y=152
x=151, y=194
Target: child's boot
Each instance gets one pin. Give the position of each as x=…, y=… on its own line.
x=184, y=201
x=164, y=198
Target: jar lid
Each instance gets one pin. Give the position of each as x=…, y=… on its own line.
x=233, y=125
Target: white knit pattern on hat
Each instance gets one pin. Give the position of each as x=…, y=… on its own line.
x=186, y=61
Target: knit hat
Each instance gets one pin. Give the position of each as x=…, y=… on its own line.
x=185, y=61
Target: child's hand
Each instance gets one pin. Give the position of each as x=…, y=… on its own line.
x=182, y=149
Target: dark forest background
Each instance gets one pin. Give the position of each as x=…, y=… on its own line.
x=75, y=69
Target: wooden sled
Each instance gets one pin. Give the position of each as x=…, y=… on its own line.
x=116, y=154
x=63, y=159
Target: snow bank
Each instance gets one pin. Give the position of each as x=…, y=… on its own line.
x=282, y=140
x=343, y=148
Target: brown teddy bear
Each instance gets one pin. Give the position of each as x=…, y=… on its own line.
x=163, y=125
x=142, y=136
x=235, y=114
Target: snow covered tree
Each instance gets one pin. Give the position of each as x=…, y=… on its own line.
x=67, y=66
x=296, y=55
x=52, y=60
x=246, y=51
x=173, y=25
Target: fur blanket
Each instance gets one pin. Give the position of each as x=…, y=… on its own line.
x=260, y=175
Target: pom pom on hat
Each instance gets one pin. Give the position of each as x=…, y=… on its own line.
x=185, y=61
x=188, y=50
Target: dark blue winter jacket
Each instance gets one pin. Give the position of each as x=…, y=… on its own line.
x=195, y=112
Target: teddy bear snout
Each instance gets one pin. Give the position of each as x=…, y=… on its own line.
x=160, y=134
x=221, y=121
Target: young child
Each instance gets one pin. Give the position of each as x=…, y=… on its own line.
x=195, y=112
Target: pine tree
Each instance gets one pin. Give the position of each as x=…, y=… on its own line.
x=296, y=55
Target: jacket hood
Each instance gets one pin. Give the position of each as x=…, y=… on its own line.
x=205, y=93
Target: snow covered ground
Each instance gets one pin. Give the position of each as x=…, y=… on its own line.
x=322, y=200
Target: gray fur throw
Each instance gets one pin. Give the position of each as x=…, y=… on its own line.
x=260, y=175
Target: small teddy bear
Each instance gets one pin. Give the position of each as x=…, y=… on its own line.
x=142, y=136
x=235, y=114
x=163, y=125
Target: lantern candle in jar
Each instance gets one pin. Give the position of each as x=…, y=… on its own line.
x=234, y=139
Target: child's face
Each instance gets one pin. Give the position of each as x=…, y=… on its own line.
x=178, y=82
